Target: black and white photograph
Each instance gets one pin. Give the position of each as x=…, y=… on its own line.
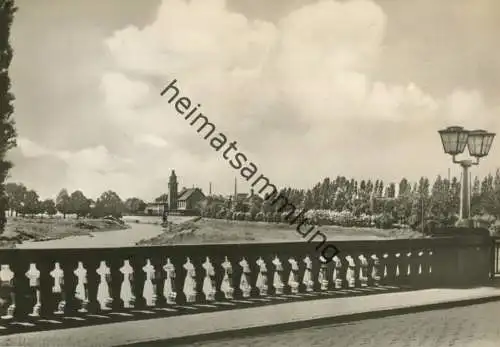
x=249, y=173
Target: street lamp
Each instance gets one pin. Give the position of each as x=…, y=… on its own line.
x=478, y=142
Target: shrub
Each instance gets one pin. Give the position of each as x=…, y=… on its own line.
x=495, y=228
x=284, y=217
x=384, y=221
x=268, y=217
x=259, y=217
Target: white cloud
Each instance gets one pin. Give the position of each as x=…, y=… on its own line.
x=121, y=92
x=316, y=61
x=92, y=169
x=261, y=81
x=32, y=149
x=296, y=94
x=467, y=107
x=151, y=140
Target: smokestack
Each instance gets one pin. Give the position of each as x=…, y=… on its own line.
x=235, y=188
x=210, y=188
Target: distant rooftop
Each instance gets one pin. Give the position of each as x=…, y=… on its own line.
x=186, y=193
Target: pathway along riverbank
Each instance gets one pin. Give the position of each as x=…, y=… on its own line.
x=115, y=238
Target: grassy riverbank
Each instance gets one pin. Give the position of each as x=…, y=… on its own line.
x=205, y=231
x=19, y=229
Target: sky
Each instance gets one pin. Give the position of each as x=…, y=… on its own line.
x=309, y=89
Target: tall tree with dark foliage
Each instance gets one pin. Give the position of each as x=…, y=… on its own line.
x=7, y=129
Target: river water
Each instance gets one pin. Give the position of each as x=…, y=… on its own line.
x=116, y=238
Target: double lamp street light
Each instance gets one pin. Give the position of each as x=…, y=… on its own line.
x=478, y=142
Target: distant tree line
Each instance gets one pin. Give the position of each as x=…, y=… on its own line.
x=349, y=202
x=340, y=201
x=26, y=202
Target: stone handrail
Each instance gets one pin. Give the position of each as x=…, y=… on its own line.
x=60, y=282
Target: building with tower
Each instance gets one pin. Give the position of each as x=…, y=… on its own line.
x=172, y=191
x=183, y=202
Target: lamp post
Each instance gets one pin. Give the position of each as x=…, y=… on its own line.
x=478, y=142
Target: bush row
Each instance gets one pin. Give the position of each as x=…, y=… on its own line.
x=318, y=217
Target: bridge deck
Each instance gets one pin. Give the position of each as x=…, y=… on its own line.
x=202, y=325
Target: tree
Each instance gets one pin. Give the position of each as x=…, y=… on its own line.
x=63, y=202
x=267, y=207
x=31, y=203
x=109, y=203
x=391, y=190
x=476, y=197
x=340, y=200
x=324, y=194
x=15, y=194
x=307, y=204
x=7, y=124
x=211, y=206
x=453, y=202
x=162, y=198
x=491, y=203
x=404, y=188
x=79, y=204
x=134, y=205
x=496, y=180
x=423, y=187
x=380, y=190
x=487, y=184
x=48, y=206
x=438, y=198
x=255, y=205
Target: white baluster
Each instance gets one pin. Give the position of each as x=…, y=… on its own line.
x=351, y=271
x=169, y=285
x=322, y=276
x=397, y=255
x=385, y=256
x=33, y=275
x=190, y=282
x=261, y=282
x=149, y=290
x=307, y=280
x=209, y=282
x=376, y=270
x=293, y=278
x=7, y=277
x=337, y=270
x=81, y=291
x=58, y=276
x=227, y=280
x=408, y=271
x=245, y=286
x=126, y=293
x=103, y=292
x=363, y=270
x=420, y=255
x=430, y=263
x=277, y=279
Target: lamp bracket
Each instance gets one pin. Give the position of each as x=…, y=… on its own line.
x=466, y=162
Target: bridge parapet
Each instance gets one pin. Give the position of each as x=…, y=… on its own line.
x=51, y=283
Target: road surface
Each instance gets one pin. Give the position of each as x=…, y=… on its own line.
x=471, y=326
